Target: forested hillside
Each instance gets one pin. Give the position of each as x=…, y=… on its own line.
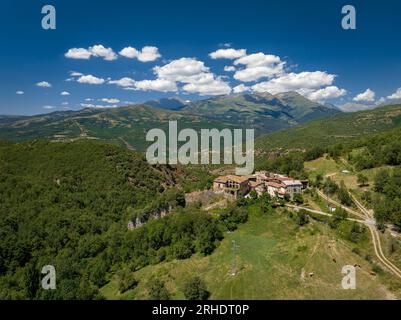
x=58, y=202
x=335, y=129
x=68, y=205
x=382, y=151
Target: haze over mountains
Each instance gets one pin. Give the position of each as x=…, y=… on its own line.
x=128, y=125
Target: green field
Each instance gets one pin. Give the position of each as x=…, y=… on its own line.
x=275, y=259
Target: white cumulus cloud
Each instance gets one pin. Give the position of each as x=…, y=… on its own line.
x=395, y=95
x=229, y=68
x=368, y=96
x=129, y=52
x=19, y=92
x=228, y=53
x=103, y=52
x=97, y=50
x=241, y=88
x=162, y=85
x=195, y=76
x=327, y=93
x=183, y=70
x=65, y=93
x=146, y=54
x=382, y=100
x=78, y=53
x=301, y=82
x=149, y=53
x=110, y=100
x=97, y=106
x=123, y=82
x=75, y=74
x=43, y=84
x=90, y=79
x=209, y=86
x=257, y=66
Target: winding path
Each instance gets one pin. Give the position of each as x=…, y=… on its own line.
x=368, y=219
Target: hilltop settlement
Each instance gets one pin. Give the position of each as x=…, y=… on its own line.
x=276, y=185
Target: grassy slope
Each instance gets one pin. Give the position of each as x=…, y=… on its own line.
x=334, y=129
x=329, y=167
x=116, y=125
x=334, y=169
x=272, y=252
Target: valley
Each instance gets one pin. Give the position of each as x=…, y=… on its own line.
x=84, y=186
x=262, y=112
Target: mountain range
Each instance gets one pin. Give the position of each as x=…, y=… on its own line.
x=128, y=125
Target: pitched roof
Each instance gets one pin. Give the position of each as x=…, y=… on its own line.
x=255, y=184
x=292, y=183
x=238, y=179
x=222, y=179
x=275, y=184
x=283, y=178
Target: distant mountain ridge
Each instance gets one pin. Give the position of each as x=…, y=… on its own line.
x=128, y=125
x=262, y=111
x=354, y=107
x=336, y=129
x=173, y=103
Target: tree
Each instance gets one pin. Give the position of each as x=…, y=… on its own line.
x=367, y=196
x=392, y=153
x=264, y=202
x=381, y=180
x=362, y=180
x=302, y=218
x=183, y=248
x=31, y=280
x=382, y=211
x=330, y=187
x=126, y=281
x=356, y=232
x=233, y=216
x=335, y=151
x=157, y=290
x=98, y=273
x=318, y=179
x=344, y=196
x=287, y=197
x=242, y=202
x=341, y=214
x=253, y=194
x=298, y=198
x=195, y=289
x=314, y=153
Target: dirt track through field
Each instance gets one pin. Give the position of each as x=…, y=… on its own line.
x=368, y=216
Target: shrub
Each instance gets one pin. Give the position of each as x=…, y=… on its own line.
x=157, y=290
x=126, y=281
x=302, y=218
x=195, y=289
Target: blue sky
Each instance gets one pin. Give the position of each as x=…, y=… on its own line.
x=275, y=46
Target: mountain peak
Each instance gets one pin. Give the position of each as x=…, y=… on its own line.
x=170, y=103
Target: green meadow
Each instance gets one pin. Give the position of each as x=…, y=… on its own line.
x=275, y=258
